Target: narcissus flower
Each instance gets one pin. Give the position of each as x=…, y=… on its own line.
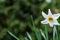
x=50, y=19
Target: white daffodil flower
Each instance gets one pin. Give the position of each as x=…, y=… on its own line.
x=50, y=19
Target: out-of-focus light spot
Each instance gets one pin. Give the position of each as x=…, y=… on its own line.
x=2, y=0
x=48, y=1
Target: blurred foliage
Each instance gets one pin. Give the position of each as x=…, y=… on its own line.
x=15, y=16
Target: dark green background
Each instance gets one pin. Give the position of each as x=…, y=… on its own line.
x=15, y=16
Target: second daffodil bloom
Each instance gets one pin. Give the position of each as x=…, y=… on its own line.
x=50, y=19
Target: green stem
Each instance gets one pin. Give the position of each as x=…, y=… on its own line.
x=37, y=32
x=57, y=37
x=46, y=31
x=54, y=32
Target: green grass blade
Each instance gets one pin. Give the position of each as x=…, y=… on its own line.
x=13, y=35
x=29, y=36
x=42, y=34
x=46, y=32
x=38, y=35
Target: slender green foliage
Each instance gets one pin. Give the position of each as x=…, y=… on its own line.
x=38, y=35
x=46, y=32
x=57, y=37
x=54, y=32
x=13, y=35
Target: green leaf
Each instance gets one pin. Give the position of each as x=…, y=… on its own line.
x=13, y=35
x=46, y=32
x=37, y=32
x=55, y=33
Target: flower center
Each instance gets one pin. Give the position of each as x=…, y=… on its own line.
x=50, y=19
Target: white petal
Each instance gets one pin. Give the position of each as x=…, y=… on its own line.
x=49, y=12
x=44, y=22
x=56, y=15
x=51, y=24
x=44, y=15
x=56, y=22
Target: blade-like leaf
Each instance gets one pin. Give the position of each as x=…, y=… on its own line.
x=29, y=36
x=46, y=32
x=13, y=35
x=38, y=34
x=42, y=34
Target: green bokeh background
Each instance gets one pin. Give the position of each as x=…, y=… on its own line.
x=15, y=16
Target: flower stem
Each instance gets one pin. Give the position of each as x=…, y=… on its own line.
x=46, y=32
x=57, y=37
x=55, y=33
x=37, y=32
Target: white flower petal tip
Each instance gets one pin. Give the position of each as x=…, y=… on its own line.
x=44, y=22
x=51, y=25
x=49, y=12
x=44, y=15
x=50, y=19
x=56, y=15
x=59, y=24
x=49, y=9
